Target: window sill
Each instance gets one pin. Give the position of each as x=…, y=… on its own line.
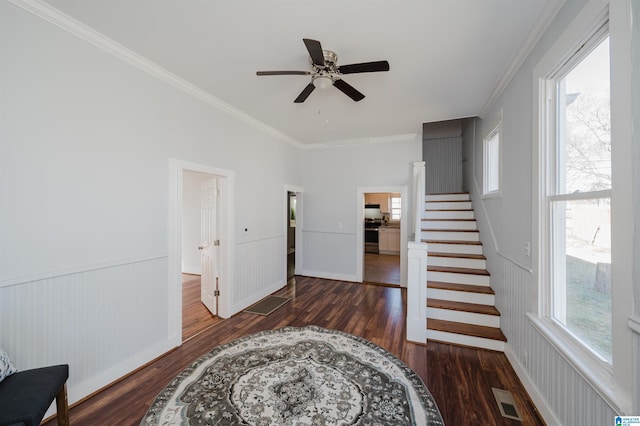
x=490, y=195
x=593, y=370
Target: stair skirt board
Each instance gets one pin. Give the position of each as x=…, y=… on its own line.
x=447, y=214
x=454, y=248
x=447, y=205
x=464, y=340
x=462, y=316
x=460, y=196
x=456, y=262
x=462, y=224
x=461, y=296
x=457, y=278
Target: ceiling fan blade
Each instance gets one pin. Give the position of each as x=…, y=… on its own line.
x=364, y=67
x=348, y=90
x=283, y=72
x=305, y=93
x=315, y=51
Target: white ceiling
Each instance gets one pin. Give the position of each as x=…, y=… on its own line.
x=446, y=56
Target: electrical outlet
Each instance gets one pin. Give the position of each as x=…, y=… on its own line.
x=527, y=248
x=525, y=359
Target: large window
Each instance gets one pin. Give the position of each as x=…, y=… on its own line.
x=579, y=199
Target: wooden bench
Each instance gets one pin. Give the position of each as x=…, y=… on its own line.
x=26, y=395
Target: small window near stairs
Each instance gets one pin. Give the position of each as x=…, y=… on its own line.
x=491, y=161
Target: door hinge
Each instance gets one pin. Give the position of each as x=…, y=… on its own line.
x=216, y=243
x=216, y=293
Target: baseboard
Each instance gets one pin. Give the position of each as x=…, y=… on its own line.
x=191, y=269
x=329, y=276
x=77, y=392
x=544, y=409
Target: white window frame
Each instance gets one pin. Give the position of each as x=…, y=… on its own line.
x=612, y=382
x=492, y=166
x=395, y=213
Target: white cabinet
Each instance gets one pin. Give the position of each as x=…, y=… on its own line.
x=381, y=198
x=389, y=240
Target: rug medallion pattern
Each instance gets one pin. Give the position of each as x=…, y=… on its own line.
x=296, y=376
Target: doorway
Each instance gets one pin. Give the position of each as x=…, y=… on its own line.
x=293, y=208
x=381, y=243
x=291, y=234
x=384, y=209
x=195, y=190
x=200, y=258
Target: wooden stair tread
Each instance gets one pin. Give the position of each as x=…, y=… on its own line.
x=469, y=288
x=455, y=270
x=463, y=306
x=457, y=255
x=473, y=243
x=466, y=329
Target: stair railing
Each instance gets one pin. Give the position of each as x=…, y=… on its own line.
x=417, y=264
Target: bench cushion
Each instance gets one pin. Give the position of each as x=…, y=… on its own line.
x=26, y=395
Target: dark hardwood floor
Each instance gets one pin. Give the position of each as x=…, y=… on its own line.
x=459, y=378
x=195, y=317
x=381, y=268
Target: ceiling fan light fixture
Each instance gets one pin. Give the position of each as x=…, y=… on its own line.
x=322, y=81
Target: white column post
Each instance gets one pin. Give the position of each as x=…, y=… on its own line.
x=417, y=292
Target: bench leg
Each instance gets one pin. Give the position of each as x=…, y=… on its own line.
x=62, y=406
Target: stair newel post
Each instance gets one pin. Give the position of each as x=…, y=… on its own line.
x=417, y=264
x=417, y=292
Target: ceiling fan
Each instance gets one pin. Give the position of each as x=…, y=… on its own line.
x=325, y=71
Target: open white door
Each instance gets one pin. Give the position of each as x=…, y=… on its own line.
x=209, y=246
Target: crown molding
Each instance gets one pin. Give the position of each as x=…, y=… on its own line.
x=362, y=141
x=539, y=27
x=56, y=17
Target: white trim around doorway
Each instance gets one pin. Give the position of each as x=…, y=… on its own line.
x=226, y=183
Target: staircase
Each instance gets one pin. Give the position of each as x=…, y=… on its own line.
x=460, y=301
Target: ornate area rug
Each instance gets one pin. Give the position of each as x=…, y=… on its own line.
x=296, y=376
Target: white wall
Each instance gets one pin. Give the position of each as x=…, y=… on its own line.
x=86, y=140
x=558, y=388
x=331, y=178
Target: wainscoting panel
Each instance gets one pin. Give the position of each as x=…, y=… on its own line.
x=443, y=162
x=103, y=323
x=569, y=399
x=329, y=255
x=259, y=270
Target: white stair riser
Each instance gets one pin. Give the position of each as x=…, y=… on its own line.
x=461, y=339
x=451, y=214
x=447, y=205
x=449, y=224
x=450, y=236
x=456, y=278
x=455, y=248
x=447, y=197
x=461, y=296
x=465, y=317
x=457, y=262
